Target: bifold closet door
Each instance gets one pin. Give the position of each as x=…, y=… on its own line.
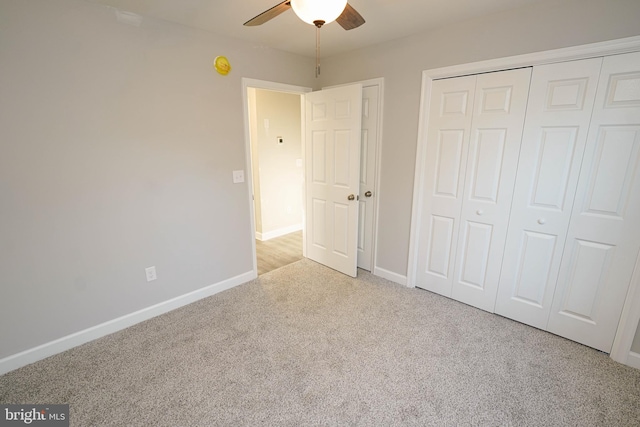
x=604, y=231
x=450, y=111
x=496, y=132
x=473, y=141
x=555, y=132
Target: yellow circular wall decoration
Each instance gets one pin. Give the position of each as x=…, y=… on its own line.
x=221, y=64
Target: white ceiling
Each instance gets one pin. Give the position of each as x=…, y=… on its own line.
x=386, y=20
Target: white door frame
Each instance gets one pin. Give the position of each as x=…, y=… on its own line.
x=379, y=82
x=280, y=87
x=626, y=330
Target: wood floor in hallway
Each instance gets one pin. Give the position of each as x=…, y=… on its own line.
x=278, y=252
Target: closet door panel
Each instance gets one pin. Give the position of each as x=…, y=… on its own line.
x=447, y=146
x=603, y=237
x=474, y=256
x=534, y=262
x=496, y=133
x=555, y=132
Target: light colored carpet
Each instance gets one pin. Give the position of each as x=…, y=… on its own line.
x=304, y=345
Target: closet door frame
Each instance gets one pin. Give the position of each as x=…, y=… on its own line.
x=631, y=312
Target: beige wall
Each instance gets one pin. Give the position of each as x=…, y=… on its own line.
x=544, y=26
x=117, y=146
x=279, y=191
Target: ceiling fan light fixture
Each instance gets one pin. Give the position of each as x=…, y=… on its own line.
x=312, y=11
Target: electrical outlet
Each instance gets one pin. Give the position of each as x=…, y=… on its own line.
x=280, y=140
x=151, y=273
x=238, y=176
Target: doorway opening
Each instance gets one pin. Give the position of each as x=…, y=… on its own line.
x=277, y=175
x=277, y=252
x=261, y=173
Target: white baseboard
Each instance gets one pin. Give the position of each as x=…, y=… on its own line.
x=633, y=360
x=279, y=232
x=390, y=275
x=40, y=352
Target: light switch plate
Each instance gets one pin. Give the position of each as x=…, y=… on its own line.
x=238, y=176
x=151, y=273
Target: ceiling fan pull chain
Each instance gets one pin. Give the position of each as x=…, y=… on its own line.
x=317, y=51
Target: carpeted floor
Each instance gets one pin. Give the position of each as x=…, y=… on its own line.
x=304, y=345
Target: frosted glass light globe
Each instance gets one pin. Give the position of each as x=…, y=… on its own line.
x=318, y=10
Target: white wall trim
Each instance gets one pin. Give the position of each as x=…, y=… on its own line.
x=303, y=132
x=611, y=47
x=376, y=207
x=390, y=275
x=59, y=345
x=629, y=319
x=633, y=360
x=418, y=179
x=279, y=232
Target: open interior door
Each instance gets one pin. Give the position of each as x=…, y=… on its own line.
x=332, y=152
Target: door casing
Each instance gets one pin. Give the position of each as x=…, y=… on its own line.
x=301, y=90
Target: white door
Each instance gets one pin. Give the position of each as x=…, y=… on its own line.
x=604, y=236
x=450, y=112
x=368, y=150
x=555, y=133
x=332, y=153
x=496, y=133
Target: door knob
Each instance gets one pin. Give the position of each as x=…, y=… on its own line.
x=351, y=197
x=367, y=194
x=542, y=221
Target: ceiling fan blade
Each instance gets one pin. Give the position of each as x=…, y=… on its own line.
x=269, y=14
x=350, y=18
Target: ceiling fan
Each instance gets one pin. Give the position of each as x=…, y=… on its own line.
x=348, y=17
x=314, y=12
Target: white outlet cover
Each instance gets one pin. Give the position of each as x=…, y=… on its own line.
x=238, y=176
x=151, y=273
